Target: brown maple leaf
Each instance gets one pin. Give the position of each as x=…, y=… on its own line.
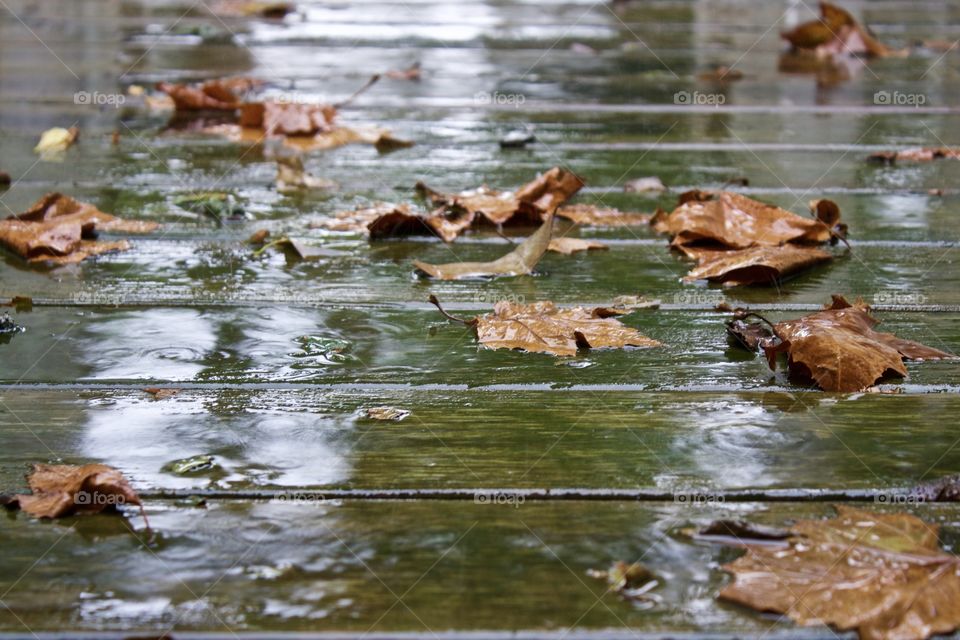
x=224, y=94
x=63, y=490
x=881, y=574
x=527, y=205
x=756, y=265
x=60, y=230
x=542, y=327
x=836, y=32
x=838, y=349
x=739, y=241
x=737, y=222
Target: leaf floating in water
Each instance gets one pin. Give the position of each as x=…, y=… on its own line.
x=225, y=94
x=518, y=262
x=632, y=581
x=530, y=204
x=881, y=574
x=838, y=349
x=161, y=393
x=836, y=32
x=60, y=230
x=64, y=490
x=387, y=413
x=740, y=241
x=55, y=141
x=194, y=464
x=756, y=265
x=542, y=327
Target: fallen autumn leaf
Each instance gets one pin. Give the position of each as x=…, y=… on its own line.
x=881, y=574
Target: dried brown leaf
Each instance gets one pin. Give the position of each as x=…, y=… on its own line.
x=838, y=349
x=883, y=575
x=63, y=490
x=59, y=229
x=836, y=32
x=736, y=221
x=527, y=205
x=542, y=327
x=756, y=265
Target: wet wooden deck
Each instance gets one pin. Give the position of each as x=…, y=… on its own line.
x=319, y=522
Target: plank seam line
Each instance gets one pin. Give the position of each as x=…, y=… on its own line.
x=492, y=496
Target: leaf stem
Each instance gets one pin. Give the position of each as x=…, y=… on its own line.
x=372, y=81
x=435, y=302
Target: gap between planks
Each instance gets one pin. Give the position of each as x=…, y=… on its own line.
x=902, y=389
x=483, y=495
x=133, y=302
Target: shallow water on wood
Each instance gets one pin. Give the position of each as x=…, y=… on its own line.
x=279, y=359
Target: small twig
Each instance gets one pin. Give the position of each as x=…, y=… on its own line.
x=372, y=81
x=436, y=303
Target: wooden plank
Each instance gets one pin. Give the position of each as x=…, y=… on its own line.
x=539, y=439
x=313, y=566
x=225, y=272
x=339, y=344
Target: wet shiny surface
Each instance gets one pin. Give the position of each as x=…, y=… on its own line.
x=279, y=358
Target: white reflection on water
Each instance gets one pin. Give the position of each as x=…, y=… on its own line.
x=732, y=444
x=250, y=448
x=165, y=344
